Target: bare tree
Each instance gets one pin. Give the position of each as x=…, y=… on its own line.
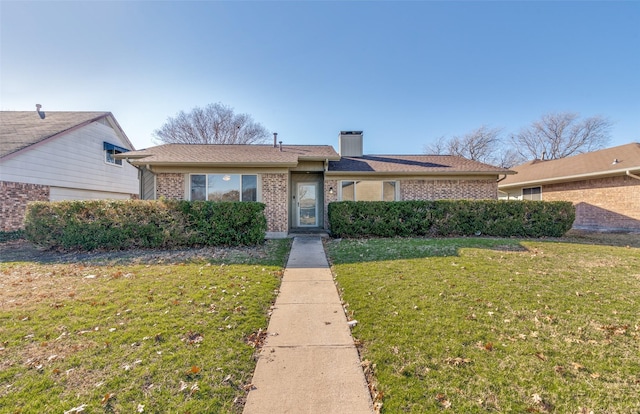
x=559, y=135
x=214, y=124
x=483, y=144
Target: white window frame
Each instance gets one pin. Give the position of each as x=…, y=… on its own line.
x=396, y=187
x=206, y=183
x=111, y=149
x=539, y=194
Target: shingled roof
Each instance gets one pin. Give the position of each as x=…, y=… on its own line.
x=412, y=164
x=603, y=163
x=230, y=155
x=20, y=129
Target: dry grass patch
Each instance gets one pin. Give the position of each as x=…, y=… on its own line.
x=132, y=337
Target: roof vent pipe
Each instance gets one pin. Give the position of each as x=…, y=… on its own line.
x=275, y=139
x=41, y=113
x=280, y=146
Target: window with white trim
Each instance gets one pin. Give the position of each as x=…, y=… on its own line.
x=223, y=187
x=368, y=190
x=110, y=150
x=532, y=193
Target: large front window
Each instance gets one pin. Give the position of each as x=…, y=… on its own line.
x=224, y=187
x=368, y=191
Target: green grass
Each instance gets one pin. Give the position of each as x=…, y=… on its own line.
x=496, y=325
x=166, y=337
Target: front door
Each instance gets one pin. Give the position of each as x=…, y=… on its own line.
x=307, y=206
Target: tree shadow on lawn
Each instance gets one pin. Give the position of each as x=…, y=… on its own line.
x=377, y=249
x=272, y=252
x=368, y=250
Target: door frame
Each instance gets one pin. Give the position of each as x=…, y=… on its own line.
x=296, y=178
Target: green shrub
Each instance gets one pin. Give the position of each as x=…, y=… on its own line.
x=6, y=236
x=450, y=218
x=117, y=225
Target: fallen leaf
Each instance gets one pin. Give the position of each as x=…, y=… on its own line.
x=78, y=409
x=107, y=397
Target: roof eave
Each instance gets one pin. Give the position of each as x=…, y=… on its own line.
x=319, y=158
x=418, y=173
x=576, y=177
x=141, y=162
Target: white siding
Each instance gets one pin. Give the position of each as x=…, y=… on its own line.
x=60, y=194
x=73, y=160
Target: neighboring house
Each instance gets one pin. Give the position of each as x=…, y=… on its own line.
x=297, y=182
x=603, y=185
x=56, y=156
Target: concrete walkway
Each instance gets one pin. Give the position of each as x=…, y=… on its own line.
x=309, y=363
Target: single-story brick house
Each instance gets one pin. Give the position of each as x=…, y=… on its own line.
x=57, y=156
x=603, y=185
x=297, y=182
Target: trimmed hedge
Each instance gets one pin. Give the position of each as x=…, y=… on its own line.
x=450, y=218
x=119, y=225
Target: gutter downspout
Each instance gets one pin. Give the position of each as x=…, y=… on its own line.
x=500, y=179
x=633, y=175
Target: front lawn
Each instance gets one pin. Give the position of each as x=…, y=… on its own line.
x=478, y=325
x=160, y=336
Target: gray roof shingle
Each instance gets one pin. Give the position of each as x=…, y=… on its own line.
x=414, y=164
x=593, y=164
x=20, y=129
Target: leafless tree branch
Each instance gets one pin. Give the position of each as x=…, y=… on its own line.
x=214, y=124
x=559, y=135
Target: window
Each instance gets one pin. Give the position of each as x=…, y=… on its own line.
x=533, y=193
x=368, y=191
x=110, y=150
x=224, y=187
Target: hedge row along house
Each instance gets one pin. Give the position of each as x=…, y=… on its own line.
x=297, y=182
x=603, y=185
x=57, y=156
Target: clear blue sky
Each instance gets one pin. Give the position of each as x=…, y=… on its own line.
x=407, y=73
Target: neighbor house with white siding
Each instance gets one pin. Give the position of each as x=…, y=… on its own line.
x=53, y=156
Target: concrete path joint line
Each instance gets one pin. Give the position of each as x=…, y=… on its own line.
x=309, y=363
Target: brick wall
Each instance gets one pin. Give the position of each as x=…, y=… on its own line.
x=601, y=204
x=13, y=202
x=448, y=189
x=274, y=195
x=170, y=185
x=329, y=198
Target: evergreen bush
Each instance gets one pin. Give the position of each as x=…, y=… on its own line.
x=119, y=225
x=450, y=218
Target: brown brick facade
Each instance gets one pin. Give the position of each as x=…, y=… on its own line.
x=13, y=202
x=448, y=189
x=274, y=196
x=601, y=204
x=329, y=198
x=170, y=185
